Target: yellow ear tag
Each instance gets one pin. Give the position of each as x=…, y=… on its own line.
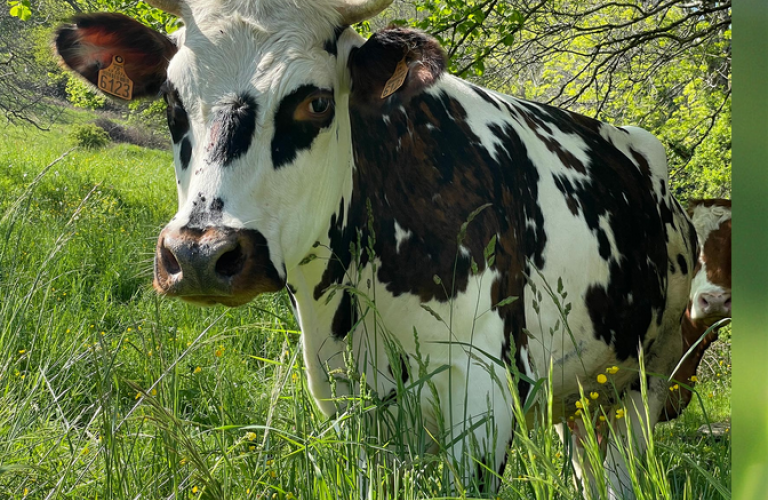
x=396, y=80
x=113, y=80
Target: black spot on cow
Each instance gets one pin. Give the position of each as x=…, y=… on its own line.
x=345, y=317
x=292, y=295
x=330, y=45
x=485, y=96
x=291, y=135
x=178, y=121
x=203, y=215
x=217, y=205
x=185, y=153
x=681, y=262
x=403, y=368
x=603, y=246
x=341, y=237
x=232, y=130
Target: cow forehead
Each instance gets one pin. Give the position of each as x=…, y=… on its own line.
x=233, y=54
x=271, y=15
x=707, y=218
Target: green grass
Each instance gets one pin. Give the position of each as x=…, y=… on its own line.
x=109, y=392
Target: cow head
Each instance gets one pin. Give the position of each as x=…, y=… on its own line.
x=711, y=287
x=258, y=95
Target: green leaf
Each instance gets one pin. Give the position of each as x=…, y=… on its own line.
x=507, y=301
x=21, y=9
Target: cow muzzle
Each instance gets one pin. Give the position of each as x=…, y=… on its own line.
x=215, y=265
x=712, y=306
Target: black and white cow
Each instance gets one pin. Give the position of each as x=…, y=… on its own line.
x=290, y=150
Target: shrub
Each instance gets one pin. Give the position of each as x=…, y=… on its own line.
x=82, y=95
x=131, y=135
x=89, y=136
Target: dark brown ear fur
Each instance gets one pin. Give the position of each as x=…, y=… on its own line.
x=374, y=63
x=89, y=44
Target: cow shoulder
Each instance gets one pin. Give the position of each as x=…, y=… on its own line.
x=375, y=63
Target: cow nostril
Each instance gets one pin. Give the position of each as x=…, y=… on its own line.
x=170, y=263
x=728, y=304
x=231, y=263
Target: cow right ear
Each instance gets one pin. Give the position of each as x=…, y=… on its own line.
x=90, y=43
x=394, y=65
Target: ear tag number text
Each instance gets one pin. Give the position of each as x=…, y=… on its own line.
x=113, y=80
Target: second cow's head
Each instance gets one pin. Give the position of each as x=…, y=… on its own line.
x=258, y=98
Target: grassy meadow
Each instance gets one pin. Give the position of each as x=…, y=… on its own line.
x=109, y=392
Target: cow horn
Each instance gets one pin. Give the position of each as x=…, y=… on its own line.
x=169, y=6
x=355, y=11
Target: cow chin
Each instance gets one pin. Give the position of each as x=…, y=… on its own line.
x=215, y=300
x=235, y=299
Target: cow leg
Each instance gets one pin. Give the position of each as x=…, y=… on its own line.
x=628, y=441
x=479, y=418
x=620, y=439
x=576, y=437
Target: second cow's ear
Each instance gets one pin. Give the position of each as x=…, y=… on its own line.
x=378, y=67
x=93, y=40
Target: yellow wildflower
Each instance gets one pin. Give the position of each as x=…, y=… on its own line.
x=594, y=395
x=154, y=392
x=601, y=379
x=22, y=351
x=219, y=353
x=674, y=387
x=198, y=369
x=194, y=489
x=579, y=404
x=601, y=418
x=250, y=436
x=612, y=370
x=620, y=413
x=138, y=395
x=694, y=378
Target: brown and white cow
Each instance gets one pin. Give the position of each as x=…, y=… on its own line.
x=710, y=298
x=296, y=140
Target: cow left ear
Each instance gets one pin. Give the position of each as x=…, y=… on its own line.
x=394, y=63
x=93, y=40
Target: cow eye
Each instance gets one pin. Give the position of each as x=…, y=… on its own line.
x=319, y=105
